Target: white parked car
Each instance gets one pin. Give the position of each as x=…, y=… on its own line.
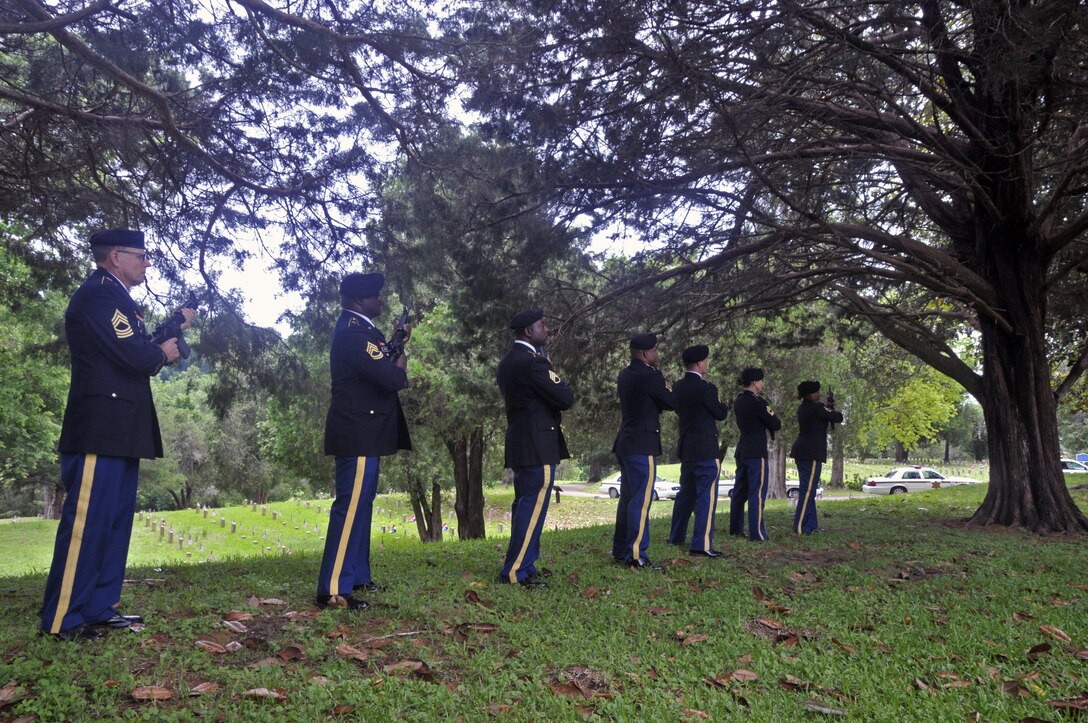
x=793, y=488
x=912, y=479
x=663, y=488
x=1072, y=466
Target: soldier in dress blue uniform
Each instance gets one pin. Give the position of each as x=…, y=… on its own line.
x=365, y=423
x=535, y=398
x=643, y=394
x=754, y=419
x=809, y=451
x=699, y=409
x=109, y=425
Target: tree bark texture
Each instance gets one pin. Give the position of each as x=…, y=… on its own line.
x=467, y=452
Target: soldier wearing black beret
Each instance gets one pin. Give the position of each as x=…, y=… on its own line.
x=643, y=394
x=754, y=418
x=365, y=423
x=535, y=397
x=109, y=425
x=699, y=409
x=809, y=451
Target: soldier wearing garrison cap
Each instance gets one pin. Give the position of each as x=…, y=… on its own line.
x=109, y=425
x=754, y=418
x=365, y=423
x=699, y=409
x=643, y=395
x=534, y=397
x=809, y=451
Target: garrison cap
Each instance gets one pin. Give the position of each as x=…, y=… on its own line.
x=526, y=317
x=118, y=237
x=806, y=388
x=362, y=285
x=749, y=375
x=644, y=342
x=695, y=354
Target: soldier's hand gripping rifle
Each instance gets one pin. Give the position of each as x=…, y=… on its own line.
x=171, y=328
x=400, y=334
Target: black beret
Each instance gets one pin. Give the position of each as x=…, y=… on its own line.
x=695, y=354
x=118, y=237
x=526, y=317
x=806, y=388
x=749, y=375
x=644, y=342
x=363, y=285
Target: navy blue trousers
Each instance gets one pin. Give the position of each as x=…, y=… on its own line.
x=346, y=561
x=750, y=489
x=804, y=518
x=699, y=494
x=88, y=569
x=632, y=536
x=532, y=493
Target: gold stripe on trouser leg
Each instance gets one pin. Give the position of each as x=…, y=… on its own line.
x=713, y=504
x=345, y=531
x=808, y=496
x=540, y=497
x=759, y=500
x=645, y=516
x=80, y=522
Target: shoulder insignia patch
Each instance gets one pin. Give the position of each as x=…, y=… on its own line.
x=121, y=325
x=554, y=377
x=373, y=350
x=353, y=321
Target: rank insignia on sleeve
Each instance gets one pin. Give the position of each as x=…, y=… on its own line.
x=554, y=377
x=121, y=325
x=373, y=350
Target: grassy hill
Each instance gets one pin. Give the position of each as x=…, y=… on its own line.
x=896, y=611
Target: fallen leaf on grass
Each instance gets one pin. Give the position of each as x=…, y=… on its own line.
x=687, y=639
x=957, y=684
x=471, y=596
x=744, y=659
x=1012, y=687
x=412, y=667
x=237, y=615
x=757, y=592
x=679, y=562
x=278, y=695
x=802, y=576
x=791, y=684
x=271, y=601
x=342, y=709
x=319, y=680
x=1071, y=704
x=151, y=692
x=843, y=646
x=210, y=646
x=235, y=626
x=477, y=628
x=292, y=652
x=1037, y=651
x=303, y=614
x=921, y=685
x=590, y=592
x=1081, y=654
x=744, y=676
x=1021, y=617
x=819, y=707
x=1056, y=633
x=499, y=709
x=693, y=713
x=592, y=683
x=204, y=689
x=349, y=651
x=567, y=690
x=233, y=646
x=10, y=693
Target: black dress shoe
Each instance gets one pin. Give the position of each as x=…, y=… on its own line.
x=369, y=587
x=705, y=553
x=79, y=634
x=117, y=622
x=349, y=602
x=544, y=572
x=645, y=565
x=538, y=577
x=533, y=582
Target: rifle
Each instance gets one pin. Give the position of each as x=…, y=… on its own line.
x=171, y=328
x=830, y=404
x=396, y=345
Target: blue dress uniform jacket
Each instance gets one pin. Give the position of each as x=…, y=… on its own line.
x=698, y=408
x=754, y=418
x=535, y=397
x=643, y=394
x=365, y=416
x=812, y=419
x=110, y=411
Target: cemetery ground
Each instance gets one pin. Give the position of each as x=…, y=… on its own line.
x=894, y=611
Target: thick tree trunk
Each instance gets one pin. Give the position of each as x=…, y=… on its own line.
x=428, y=514
x=947, y=452
x=901, y=455
x=1027, y=487
x=53, y=499
x=776, y=469
x=595, y=468
x=838, y=460
x=467, y=452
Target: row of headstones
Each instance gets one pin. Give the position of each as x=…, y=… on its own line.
x=167, y=535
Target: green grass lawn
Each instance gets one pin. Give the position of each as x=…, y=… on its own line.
x=895, y=612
